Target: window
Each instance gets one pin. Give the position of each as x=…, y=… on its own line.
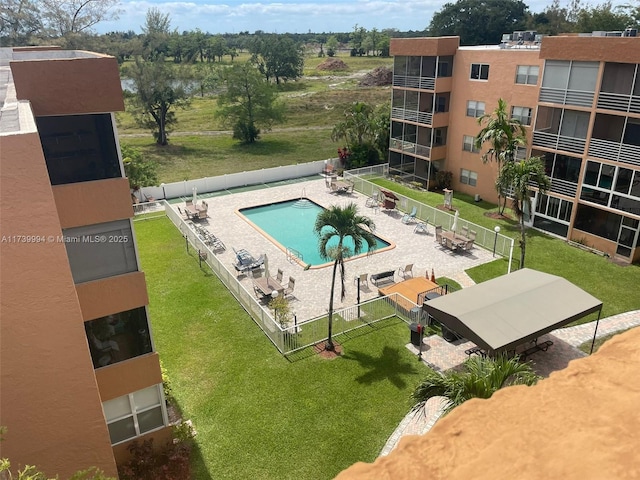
x=601, y=180
x=479, y=71
x=522, y=114
x=475, y=108
x=118, y=337
x=135, y=414
x=101, y=250
x=468, y=177
x=469, y=144
x=527, y=74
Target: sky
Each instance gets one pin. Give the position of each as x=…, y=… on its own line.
x=288, y=16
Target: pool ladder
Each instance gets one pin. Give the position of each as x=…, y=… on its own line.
x=292, y=254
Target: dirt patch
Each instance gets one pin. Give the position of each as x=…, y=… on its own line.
x=333, y=64
x=321, y=350
x=378, y=77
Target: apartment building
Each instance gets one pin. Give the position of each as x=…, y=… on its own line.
x=577, y=96
x=79, y=375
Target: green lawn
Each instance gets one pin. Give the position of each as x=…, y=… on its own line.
x=257, y=414
x=614, y=285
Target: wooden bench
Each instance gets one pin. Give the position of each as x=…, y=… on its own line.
x=383, y=277
x=538, y=347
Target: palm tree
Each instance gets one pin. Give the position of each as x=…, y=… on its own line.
x=519, y=175
x=503, y=134
x=342, y=223
x=480, y=378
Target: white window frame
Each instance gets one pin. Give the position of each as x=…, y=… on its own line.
x=518, y=113
x=528, y=74
x=480, y=67
x=134, y=412
x=469, y=144
x=475, y=108
x=468, y=177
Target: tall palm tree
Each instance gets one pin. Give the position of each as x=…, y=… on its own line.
x=520, y=176
x=342, y=223
x=503, y=134
x=481, y=378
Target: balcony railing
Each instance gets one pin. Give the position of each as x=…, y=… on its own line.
x=425, y=118
x=566, y=97
x=605, y=149
x=619, y=102
x=423, y=83
x=558, y=142
x=630, y=154
x=410, y=147
x=563, y=187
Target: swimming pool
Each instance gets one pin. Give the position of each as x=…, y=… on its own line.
x=289, y=225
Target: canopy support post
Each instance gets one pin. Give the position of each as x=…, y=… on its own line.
x=593, y=342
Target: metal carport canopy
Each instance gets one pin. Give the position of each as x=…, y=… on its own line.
x=500, y=314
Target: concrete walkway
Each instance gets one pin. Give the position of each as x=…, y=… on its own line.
x=442, y=354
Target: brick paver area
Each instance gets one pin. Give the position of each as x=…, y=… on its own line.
x=441, y=355
x=311, y=295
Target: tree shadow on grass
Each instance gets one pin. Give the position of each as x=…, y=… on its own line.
x=390, y=365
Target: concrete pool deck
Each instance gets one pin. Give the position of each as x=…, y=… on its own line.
x=311, y=295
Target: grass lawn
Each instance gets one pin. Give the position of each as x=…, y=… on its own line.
x=614, y=285
x=257, y=414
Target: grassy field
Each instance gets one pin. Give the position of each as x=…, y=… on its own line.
x=313, y=104
x=257, y=414
x=615, y=285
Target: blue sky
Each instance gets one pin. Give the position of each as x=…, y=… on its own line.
x=288, y=16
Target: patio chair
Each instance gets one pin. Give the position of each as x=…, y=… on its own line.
x=292, y=285
x=439, y=238
x=279, y=276
x=407, y=270
x=372, y=201
x=363, y=278
x=472, y=234
x=464, y=231
x=421, y=227
x=410, y=217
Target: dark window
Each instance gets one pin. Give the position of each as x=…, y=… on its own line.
x=598, y=222
x=118, y=337
x=79, y=148
x=479, y=71
x=567, y=168
x=594, y=196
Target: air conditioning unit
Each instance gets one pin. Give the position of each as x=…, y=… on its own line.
x=598, y=33
x=613, y=34
x=630, y=32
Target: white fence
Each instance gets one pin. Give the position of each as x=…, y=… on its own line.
x=485, y=237
x=185, y=188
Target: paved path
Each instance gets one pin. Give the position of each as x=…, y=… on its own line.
x=443, y=355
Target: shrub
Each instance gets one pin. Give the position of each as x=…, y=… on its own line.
x=444, y=179
x=168, y=463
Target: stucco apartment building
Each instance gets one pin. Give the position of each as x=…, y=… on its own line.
x=579, y=99
x=79, y=375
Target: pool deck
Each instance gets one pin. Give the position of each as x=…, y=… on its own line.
x=311, y=295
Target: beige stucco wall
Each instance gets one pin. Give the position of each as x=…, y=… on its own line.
x=49, y=396
x=580, y=423
x=501, y=84
x=69, y=86
x=604, y=49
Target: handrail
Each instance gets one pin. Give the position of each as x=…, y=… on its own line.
x=293, y=253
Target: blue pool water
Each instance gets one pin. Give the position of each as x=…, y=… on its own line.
x=291, y=224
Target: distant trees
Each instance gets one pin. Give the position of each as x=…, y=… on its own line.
x=365, y=133
x=479, y=22
x=159, y=90
x=248, y=103
x=277, y=57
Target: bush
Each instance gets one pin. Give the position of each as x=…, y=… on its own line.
x=168, y=463
x=444, y=179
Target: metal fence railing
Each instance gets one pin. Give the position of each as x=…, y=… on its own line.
x=485, y=237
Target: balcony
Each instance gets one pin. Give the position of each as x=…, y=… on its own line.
x=619, y=102
x=412, y=115
x=423, y=83
x=566, y=97
x=616, y=151
x=563, y=187
x=410, y=147
x=558, y=142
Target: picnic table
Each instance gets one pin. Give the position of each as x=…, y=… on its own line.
x=268, y=285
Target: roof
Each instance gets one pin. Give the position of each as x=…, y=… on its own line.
x=500, y=314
